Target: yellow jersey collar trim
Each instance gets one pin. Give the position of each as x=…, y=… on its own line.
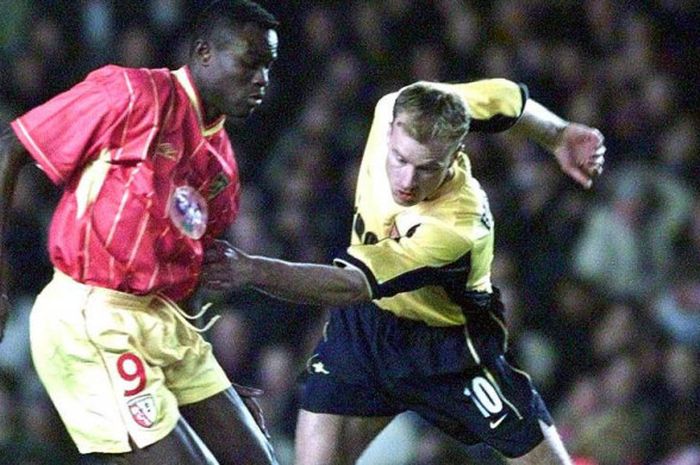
x=184, y=77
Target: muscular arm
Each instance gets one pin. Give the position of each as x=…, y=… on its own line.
x=497, y=105
x=578, y=148
x=540, y=125
x=228, y=268
x=12, y=158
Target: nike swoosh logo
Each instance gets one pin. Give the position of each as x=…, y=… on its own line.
x=494, y=424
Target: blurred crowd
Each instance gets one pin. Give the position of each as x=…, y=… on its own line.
x=602, y=286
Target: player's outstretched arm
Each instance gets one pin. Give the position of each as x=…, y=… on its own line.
x=12, y=158
x=579, y=149
x=227, y=268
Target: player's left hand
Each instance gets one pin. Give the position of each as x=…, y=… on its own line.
x=580, y=152
x=248, y=395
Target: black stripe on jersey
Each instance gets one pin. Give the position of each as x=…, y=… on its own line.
x=499, y=123
x=449, y=277
x=346, y=257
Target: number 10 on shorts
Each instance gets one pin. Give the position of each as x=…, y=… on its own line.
x=484, y=396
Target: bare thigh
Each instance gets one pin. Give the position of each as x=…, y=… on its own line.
x=181, y=446
x=228, y=429
x=323, y=439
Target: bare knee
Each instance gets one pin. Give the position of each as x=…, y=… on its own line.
x=316, y=439
x=323, y=439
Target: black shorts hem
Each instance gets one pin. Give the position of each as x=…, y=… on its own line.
x=346, y=412
x=330, y=395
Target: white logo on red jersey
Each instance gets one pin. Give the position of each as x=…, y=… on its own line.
x=189, y=212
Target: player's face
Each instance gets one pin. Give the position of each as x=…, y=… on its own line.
x=415, y=170
x=235, y=74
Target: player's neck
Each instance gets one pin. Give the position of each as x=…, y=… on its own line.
x=209, y=112
x=438, y=192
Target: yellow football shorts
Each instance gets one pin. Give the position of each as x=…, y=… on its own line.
x=116, y=366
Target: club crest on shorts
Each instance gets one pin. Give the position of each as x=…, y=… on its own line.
x=143, y=410
x=189, y=212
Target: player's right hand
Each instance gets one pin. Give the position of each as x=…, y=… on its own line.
x=225, y=267
x=581, y=153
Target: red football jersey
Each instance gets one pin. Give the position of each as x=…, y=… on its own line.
x=146, y=183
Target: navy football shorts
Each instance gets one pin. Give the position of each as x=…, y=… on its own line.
x=372, y=363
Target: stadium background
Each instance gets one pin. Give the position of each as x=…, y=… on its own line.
x=603, y=286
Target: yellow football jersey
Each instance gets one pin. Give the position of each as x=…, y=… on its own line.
x=424, y=262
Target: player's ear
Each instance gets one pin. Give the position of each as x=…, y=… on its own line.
x=390, y=128
x=202, y=51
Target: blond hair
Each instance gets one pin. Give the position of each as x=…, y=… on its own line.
x=434, y=114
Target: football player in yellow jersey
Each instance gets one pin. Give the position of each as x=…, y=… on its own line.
x=420, y=326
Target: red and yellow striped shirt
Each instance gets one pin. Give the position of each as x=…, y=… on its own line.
x=122, y=143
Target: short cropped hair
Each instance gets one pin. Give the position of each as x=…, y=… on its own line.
x=225, y=15
x=435, y=115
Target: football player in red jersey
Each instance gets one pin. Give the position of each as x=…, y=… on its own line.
x=149, y=179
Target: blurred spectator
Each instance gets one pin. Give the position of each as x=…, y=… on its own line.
x=426, y=63
x=612, y=431
x=276, y=374
x=98, y=30
x=250, y=231
x=230, y=337
x=616, y=331
x=462, y=35
x=165, y=15
x=678, y=148
x=677, y=311
x=13, y=23
x=627, y=244
x=678, y=400
x=28, y=73
x=368, y=33
x=135, y=48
